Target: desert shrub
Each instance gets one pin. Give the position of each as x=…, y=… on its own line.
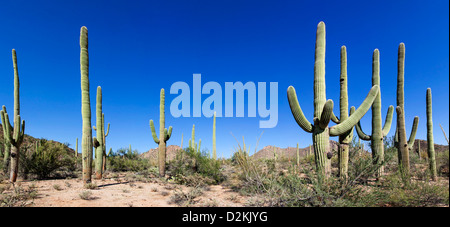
x=49, y=158
x=190, y=167
x=442, y=159
x=124, y=160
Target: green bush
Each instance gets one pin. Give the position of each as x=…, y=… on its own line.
x=125, y=160
x=49, y=158
x=192, y=168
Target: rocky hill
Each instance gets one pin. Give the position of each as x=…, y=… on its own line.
x=152, y=154
x=424, y=147
x=29, y=143
x=289, y=152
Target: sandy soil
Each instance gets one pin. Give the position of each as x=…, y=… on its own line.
x=118, y=192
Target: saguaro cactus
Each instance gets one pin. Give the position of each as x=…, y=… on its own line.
x=403, y=145
x=164, y=135
x=214, y=138
x=76, y=149
x=345, y=138
x=86, y=139
x=430, y=138
x=16, y=137
x=100, y=140
x=323, y=110
x=7, y=145
x=378, y=131
x=445, y=136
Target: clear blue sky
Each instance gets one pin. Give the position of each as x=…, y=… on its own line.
x=138, y=47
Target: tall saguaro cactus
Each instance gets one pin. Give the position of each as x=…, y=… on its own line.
x=345, y=138
x=430, y=138
x=403, y=145
x=378, y=131
x=164, y=135
x=323, y=110
x=86, y=139
x=16, y=137
x=100, y=140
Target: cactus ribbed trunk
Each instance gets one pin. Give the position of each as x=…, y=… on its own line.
x=86, y=139
x=98, y=144
x=377, y=134
x=403, y=145
x=346, y=138
x=430, y=138
x=320, y=136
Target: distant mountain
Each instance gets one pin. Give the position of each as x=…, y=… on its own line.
x=289, y=152
x=424, y=146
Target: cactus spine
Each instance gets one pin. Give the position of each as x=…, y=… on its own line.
x=403, y=145
x=86, y=139
x=164, y=135
x=16, y=137
x=323, y=110
x=430, y=138
x=378, y=131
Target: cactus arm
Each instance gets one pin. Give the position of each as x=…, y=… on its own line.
x=8, y=131
x=361, y=133
x=326, y=114
x=107, y=131
x=4, y=125
x=388, y=121
x=155, y=137
x=412, y=136
x=348, y=124
x=167, y=134
x=297, y=111
x=445, y=136
x=334, y=118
